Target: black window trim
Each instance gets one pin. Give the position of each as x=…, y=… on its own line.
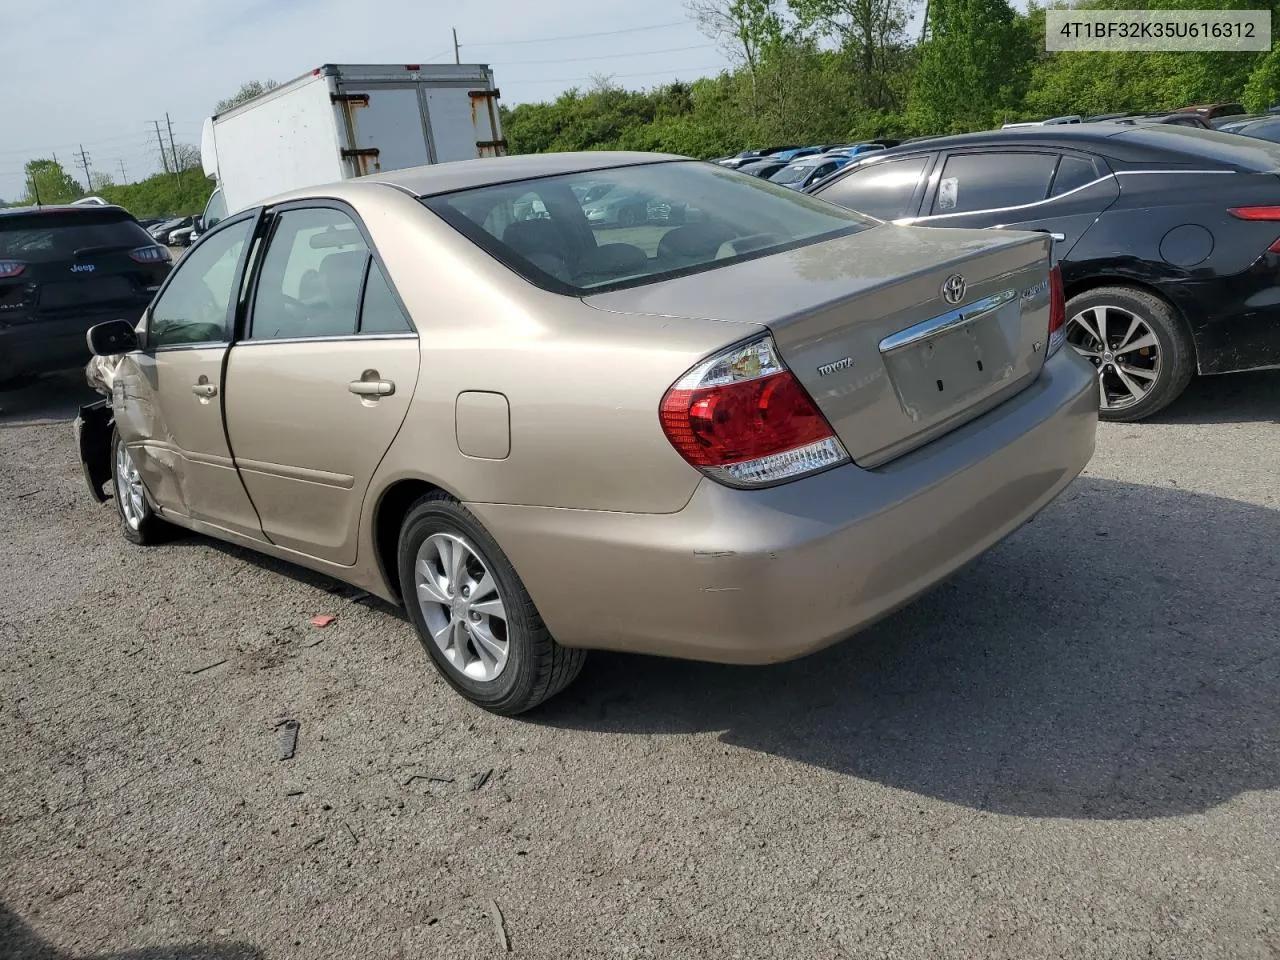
x=233, y=303
x=1100, y=166
x=918, y=194
x=244, y=326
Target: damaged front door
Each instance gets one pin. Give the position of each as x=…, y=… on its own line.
x=167, y=396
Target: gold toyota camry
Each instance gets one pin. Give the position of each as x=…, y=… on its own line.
x=599, y=400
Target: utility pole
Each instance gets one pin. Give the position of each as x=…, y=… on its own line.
x=173, y=149
x=456, y=57
x=124, y=177
x=164, y=157
x=84, y=162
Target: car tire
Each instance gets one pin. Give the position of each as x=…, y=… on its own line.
x=533, y=666
x=138, y=523
x=1166, y=372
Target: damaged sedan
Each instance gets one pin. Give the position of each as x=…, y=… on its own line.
x=738, y=437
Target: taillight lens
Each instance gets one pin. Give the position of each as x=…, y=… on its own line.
x=1057, y=312
x=150, y=254
x=11, y=268
x=742, y=418
x=1259, y=213
x=1255, y=213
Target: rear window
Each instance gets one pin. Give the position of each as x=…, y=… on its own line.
x=607, y=229
x=1208, y=146
x=41, y=237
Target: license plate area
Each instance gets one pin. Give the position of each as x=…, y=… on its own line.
x=938, y=374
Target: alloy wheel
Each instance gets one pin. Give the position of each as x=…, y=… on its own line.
x=1122, y=348
x=133, y=504
x=462, y=606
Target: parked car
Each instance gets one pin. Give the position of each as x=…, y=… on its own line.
x=774, y=428
x=1263, y=128
x=1052, y=121
x=794, y=154
x=808, y=170
x=1171, y=268
x=182, y=236
x=609, y=204
x=63, y=269
x=762, y=168
x=1211, y=111
x=160, y=232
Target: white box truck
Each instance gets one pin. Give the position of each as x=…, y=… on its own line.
x=341, y=121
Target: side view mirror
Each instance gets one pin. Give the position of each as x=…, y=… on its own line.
x=198, y=224
x=111, y=338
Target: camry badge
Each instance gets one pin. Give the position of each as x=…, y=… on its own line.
x=953, y=289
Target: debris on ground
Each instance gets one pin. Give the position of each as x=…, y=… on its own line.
x=478, y=780
x=207, y=666
x=288, y=742
x=429, y=777
x=499, y=925
x=322, y=620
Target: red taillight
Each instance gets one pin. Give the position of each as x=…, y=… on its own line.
x=743, y=418
x=150, y=254
x=413, y=66
x=1057, y=311
x=1255, y=213
x=11, y=268
x=1259, y=213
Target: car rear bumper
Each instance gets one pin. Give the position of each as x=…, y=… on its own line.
x=40, y=346
x=769, y=575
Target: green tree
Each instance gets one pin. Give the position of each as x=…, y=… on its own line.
x=973, y=67
x=47, y=182
x=872, y=32
x=247, y=91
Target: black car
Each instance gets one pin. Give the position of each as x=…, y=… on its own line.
x=63, y=269
x=1168, y=237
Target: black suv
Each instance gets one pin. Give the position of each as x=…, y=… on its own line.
x=63, y=269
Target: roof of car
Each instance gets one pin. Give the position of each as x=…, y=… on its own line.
x=464, y=174
x=1135, y=143
x=89, y=209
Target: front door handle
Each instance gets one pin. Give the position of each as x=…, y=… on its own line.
x=204, y=389
x=372, y=388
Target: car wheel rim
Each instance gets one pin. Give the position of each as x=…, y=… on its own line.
x=1122, y=348
x=462, y=606
x=133, y=504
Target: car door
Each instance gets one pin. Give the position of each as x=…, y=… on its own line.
x=888, y=189
x=167, y=396
x=320, y=380
x=1058, y=192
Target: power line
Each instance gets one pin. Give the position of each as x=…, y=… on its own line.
x=619, y=76
x=578, y=36
x=604, y=56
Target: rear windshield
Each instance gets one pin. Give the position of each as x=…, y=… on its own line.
x=607, y=229
x=40, y=237
x=1213, y=146
x=793, y=174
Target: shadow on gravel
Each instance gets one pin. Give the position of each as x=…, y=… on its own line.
x=1230, y=398
x=1117, y=658
x=57, y=396
x=19, y=942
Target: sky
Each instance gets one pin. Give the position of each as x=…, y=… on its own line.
x=99, y=73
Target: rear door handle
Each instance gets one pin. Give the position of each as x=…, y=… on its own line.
x=372, y=388
x=204, y=389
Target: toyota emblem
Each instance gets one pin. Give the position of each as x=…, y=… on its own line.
x=953, y=289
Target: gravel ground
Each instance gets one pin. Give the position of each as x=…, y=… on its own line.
x=1072, y=749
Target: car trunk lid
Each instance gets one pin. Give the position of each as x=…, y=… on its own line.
x=862, y=321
